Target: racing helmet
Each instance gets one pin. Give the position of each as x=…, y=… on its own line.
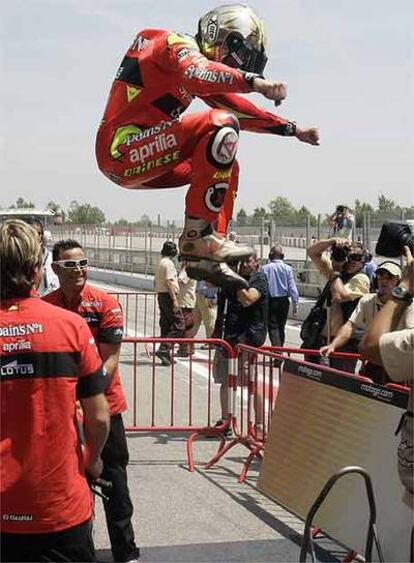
x=233, y=34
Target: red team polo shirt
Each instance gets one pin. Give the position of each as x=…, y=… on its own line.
x=103, y=314
x=48, y=360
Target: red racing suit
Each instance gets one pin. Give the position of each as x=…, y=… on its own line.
x=103, y=314
x=143, y=142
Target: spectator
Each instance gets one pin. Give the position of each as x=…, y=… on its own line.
x=172, y=323
x=245, y=321
x=48, y=358
x=394, y=349
x=205, y=310
x=104, y=316
x=370, y=269
x=49, y=281
x=342, y=222
x=347, y=285
x=186, y=301
x=282, y=285
x=387, y=277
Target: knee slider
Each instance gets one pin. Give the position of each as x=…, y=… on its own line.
x=223, y=144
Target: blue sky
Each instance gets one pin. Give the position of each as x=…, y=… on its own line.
x=349, y=69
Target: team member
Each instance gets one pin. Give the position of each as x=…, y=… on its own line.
x=172, y=323
x=48, y=359
x=282, y=285
x=104, y=316
x=143, y=143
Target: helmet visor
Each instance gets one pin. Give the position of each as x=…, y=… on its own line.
x=238, y=53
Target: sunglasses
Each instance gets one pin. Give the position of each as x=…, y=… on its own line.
x=355, y=256
x=72, y=264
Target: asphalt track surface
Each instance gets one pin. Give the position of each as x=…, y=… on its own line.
x=200, y=516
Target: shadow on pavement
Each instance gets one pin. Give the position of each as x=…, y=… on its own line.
x=257, y=551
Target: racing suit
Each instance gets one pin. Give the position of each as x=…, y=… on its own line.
x=143, y=142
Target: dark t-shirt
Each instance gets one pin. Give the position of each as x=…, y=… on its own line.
x=246, y=324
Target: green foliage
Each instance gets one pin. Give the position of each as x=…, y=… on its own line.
x=55, y=207
x=21, y=203
x=385, y=204
x=144, y=221
x=85, y=214
x=241, y=218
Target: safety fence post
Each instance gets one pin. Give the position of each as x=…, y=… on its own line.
x=372, y=534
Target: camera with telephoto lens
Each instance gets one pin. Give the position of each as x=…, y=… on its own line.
x=340, y=252
x=393, y=237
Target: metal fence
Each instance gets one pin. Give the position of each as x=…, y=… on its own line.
x=137, y=249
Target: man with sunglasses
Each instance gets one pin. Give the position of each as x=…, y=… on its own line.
x=143, y=143
x=104, y=317
x=342, y=267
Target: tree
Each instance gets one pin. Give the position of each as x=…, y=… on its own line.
x=385, y=204
x=281, y=207
x=241, y=218
x=56, y=208
x=258, y=214
x=21, y=203
x=85, y=214
x=301, y=215
x=359, y=209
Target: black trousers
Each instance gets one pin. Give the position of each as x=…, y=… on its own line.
x=72, y=544
x=118, y=509
x=172, y=325
x=278, y=314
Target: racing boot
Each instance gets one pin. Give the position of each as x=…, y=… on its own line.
x=217, y=273
x=199, y=241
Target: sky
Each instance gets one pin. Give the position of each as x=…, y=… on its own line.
x=348, y=65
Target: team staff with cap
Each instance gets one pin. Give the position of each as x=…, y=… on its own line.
x=48, y=360
x=104, y=316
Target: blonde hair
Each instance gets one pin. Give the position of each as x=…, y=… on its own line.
x=20, y=256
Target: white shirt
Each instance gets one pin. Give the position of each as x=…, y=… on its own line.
x=49, y=281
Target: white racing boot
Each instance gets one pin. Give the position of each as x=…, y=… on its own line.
x=217, y=273
x=199, y=241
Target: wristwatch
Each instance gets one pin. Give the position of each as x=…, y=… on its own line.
x=401, y=294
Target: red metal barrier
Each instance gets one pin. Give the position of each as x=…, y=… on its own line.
x=140, y=312
x=176, y=398
x=254, y=384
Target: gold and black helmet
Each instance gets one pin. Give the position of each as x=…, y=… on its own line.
x=233, y=34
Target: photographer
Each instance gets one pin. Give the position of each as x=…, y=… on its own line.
x=342, y=222
x=387, y=278
x=347, y=284
x=241, y=318
x=395, y=351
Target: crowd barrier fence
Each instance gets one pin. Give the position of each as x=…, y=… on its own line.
x=165, y=399
x=141, y=312
x=254, y=378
